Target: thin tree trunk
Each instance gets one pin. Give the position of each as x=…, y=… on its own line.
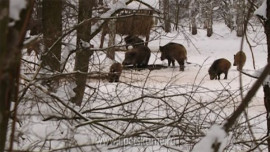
x=193, y=26
x=240, y=17
x=210, y=19
x=166, y=12
x=112, y=33
x=266, y=87
x=83, y=53
x=10, y=54
x=193, y=13
x=192, y=16
x=6, y=89
x=177, y=14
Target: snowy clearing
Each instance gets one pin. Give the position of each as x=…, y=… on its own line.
x=150, y=110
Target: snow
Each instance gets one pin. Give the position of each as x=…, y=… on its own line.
x=138, y=5
x=113, y=7
x=84, y=44
x=215, y=135
x=15, y=7
x=30, y=39
x=65, y=54
x=261, y=11
x=66, y=91
x=202, y=51
x=118, y=5
x=171, y=82
x=167, y=92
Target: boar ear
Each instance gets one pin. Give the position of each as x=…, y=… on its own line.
x=160, y=48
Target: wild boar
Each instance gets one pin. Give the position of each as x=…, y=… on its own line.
x=239, y=60
x=172, y=52
x=115, y=72
x=218, y=67
x=134, y=41
x=138, y=56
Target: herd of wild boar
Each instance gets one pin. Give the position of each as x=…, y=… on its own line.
x=139, y=56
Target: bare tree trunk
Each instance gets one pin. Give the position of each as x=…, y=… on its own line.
x=193, y=26
x=112, y=33
x=83, y=53
x=266, y=87
x=177, y=14
x=166, y=12
x=209, y=19
x=35, y=25
x=193, y=14
x=240, y=17
x=6, y=89
x=52, y=23
x=10, y=54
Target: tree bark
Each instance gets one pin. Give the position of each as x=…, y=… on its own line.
x=240, y=17
x=266, y=87
x=83, y=53
x=11, y=42
x=112, y=33
x=193, y=14
x=166, y=12
x=6, y=89
x=193, y=26
x=52, y=23
x=177, y=14
x=209, y=20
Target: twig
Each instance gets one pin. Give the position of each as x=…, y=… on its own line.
x=247, y=99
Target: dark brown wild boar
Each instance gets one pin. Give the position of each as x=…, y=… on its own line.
x=138, y=56
x=115, y=72
x=218, y=67
x=134, y=41
x=172, y=52
x=239, y=60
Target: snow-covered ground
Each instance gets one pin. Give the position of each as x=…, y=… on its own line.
x=167, y=101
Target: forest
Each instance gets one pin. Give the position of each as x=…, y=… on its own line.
x=134, y=75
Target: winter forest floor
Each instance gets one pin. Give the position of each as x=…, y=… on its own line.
x=152, y=110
